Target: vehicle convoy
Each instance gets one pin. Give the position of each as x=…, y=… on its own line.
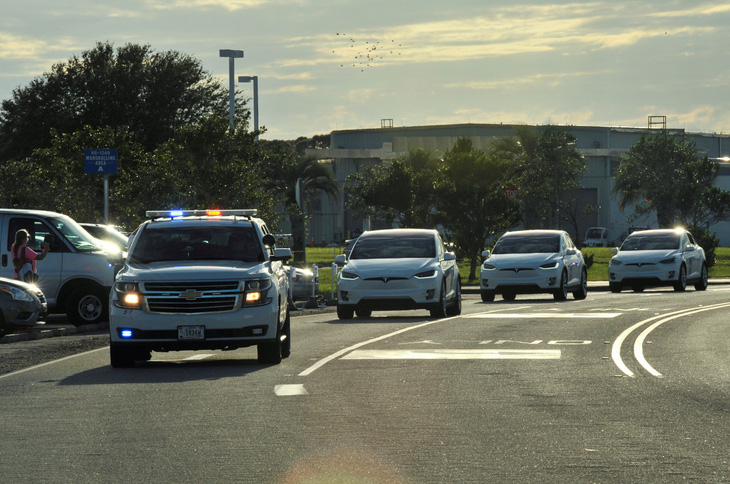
x=662, y=257
x=534, y=261
x=200, y=279
x=75, y=276
x=398, y=269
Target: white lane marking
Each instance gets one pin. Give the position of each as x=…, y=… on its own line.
x=337, y=354
x=290, y=390
x=543, y=316
x=52, y=362
x=616, y=347
x=639, y=343
x=201, y=356
x=453, y=354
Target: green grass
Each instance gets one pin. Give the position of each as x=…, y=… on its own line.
x=324, y=256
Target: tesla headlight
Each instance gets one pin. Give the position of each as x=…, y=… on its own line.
x=489, y=267
x=128, y=295
x=615, y=262
x=350, y=276
x=17, y=293
x=669, y=260
x=426, y=274
x=550, y=265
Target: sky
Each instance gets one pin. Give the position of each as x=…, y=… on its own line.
x=327, y=65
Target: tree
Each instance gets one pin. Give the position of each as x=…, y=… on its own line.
x=548, y=171
x=204, y=166
x=667, y=175
x=401, y=190
x=555, y=169
x=472, y=203
x=151, y=94
x=282, y=171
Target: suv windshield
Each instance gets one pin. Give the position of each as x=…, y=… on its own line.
x=160, y=244
x=533, y=244
x=651, y=242
x=73, y=232
x=394, y=247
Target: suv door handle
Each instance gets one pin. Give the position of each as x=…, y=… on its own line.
x=5, y=260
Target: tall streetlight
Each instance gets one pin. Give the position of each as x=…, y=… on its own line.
x=231, y=54
x=255, y=80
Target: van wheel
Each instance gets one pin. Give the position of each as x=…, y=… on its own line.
x=86, y=305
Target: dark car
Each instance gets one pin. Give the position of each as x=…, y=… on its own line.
x=21, y=305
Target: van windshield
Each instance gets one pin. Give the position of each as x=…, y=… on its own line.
x=78, y=237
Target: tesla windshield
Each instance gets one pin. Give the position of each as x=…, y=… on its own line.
x=652, y=242
x=394, y=247
x=548, y=244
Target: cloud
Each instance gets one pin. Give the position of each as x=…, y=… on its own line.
x=551, y=80
x=230, y=5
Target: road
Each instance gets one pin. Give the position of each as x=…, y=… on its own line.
x=617, y=388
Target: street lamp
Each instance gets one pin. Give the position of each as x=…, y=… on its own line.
x=255, y=80
x=231, y=54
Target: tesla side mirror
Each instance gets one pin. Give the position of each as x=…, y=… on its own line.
x=341, y=259
x=614, y=250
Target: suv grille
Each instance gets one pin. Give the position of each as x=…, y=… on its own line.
x=192, y=297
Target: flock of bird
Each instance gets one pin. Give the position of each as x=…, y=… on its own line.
x=367, y=54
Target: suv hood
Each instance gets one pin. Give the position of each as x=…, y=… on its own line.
x=629, y=256
x=194, y=270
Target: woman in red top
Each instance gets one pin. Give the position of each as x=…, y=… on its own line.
x=20, y=250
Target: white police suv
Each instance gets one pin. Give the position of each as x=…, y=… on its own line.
x=201, y=279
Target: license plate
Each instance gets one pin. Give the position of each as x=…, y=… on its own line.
x=190, y=332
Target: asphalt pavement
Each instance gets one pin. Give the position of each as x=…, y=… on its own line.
x=57, y=325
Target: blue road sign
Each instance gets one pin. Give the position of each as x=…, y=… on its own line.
x=100, y=162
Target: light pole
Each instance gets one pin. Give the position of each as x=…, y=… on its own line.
x=255, y=80
x=231, y=54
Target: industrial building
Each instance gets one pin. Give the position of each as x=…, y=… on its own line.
x=352, y=150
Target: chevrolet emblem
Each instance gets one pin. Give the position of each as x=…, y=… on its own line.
x=191, y=294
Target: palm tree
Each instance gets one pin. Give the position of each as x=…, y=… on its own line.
x=284, y=173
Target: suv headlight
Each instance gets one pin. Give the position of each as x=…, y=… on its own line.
x=128, y=295
x=488, y=267
x=550, y=265
x=255, y=292
x=17, y=293
x=669, y=260
x=615, y=262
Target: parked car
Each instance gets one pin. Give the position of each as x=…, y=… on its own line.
x=398, y=269
x=21, y=305
x=108, y=234
x=534, y=261
x=663, y=257
x=302, y=282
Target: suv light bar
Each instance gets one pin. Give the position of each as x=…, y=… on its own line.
x=245, y=212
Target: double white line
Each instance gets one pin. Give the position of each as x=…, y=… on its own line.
x=639, y=342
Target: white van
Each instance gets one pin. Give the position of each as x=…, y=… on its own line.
x=75, y=275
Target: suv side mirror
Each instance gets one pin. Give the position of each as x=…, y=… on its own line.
x=269, y=240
